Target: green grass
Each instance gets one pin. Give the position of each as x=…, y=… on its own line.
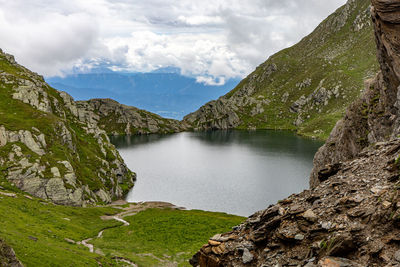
x=168, y=235
x=23, y=218
x=171, y=235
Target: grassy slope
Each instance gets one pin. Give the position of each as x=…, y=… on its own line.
x=345, y=57
x=163, y=233
x=158, y=236
x=16, y=115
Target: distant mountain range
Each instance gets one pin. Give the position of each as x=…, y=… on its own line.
x=165, y=91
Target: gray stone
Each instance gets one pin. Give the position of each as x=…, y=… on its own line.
x=285, y=97
x=397, y=255
x=55, y=172
x=299, y=237
x=76, y=198
x=70, y=178
x=3, y=136
x=309, y=215
x=103, y=196
x=27, y=138
x=56, y=191
x=34, y=186
x=247, y=256
x=70, y=241
x=219, y=238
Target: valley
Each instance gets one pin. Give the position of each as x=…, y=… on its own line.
x=67, y=166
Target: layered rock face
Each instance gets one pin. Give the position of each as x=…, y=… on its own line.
x=51, y=147
x=306, y=87
x=375, y=116
x=351, y=215
x=118, y=119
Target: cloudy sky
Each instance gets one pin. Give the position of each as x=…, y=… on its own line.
x=210, y=39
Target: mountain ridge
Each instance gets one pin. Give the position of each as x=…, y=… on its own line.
x=306, y=87
x=166, y=93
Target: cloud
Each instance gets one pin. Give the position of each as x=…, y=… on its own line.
x=210, y=80
x=211, y=39
x=49, y=41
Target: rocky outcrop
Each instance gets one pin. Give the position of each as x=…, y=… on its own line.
x=376, y=115
x=118, y=119
x=350, y=216
x=52, y=147
x=7, y=256
x=306, y=87
x=350, y=219
x=223, y=114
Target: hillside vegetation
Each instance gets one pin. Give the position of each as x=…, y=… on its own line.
x=50, y=147
x=306, y=87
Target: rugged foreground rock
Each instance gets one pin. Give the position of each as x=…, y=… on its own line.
x=306, y=87
x=376, y=115
x=51, y=147
x=119, y=119
x=351, y=215
x=352, y=218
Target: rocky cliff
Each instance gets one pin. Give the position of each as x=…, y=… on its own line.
x=350, y=217
x=375, y=116
x=118, y=119
x=51, y=147
x=306, y=87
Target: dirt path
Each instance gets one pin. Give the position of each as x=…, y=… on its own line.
x=128, y=209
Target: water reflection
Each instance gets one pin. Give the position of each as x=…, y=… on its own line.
x=238, y=172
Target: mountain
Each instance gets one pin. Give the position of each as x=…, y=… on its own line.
x=351, y=215
x=165, y=91
x=118, y=119
x=375, y=116
x=306, y=87
x=51, y=147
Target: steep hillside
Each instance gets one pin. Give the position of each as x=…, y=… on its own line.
x=118, y=119
x=52, y=148
x=375, y=117
x=305, y=87
x=351, y=215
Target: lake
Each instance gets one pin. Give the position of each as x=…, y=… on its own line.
x=237, y=172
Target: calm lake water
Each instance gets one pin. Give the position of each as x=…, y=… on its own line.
x=238, y=172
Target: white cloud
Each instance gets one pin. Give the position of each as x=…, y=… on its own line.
x=211, y=39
